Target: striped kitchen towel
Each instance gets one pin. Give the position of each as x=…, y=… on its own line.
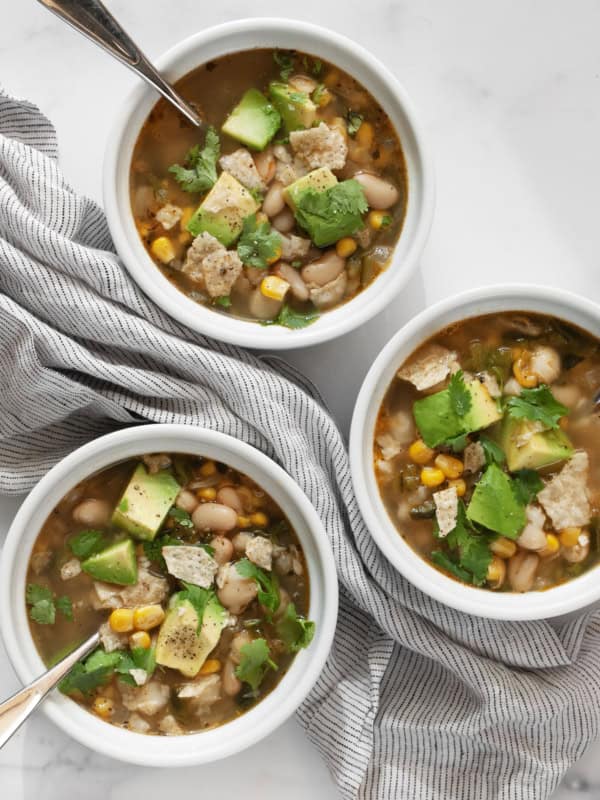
x=416, y=700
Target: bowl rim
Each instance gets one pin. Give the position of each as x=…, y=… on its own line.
x=557, y=601
x=279, y=704
x=338, y=321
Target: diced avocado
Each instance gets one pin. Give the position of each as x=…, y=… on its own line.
x=526, y=450
x=319, y=180
x=296, y=108
x=223, y=210
x=494, y=504
x=437, y=421
x=115, y=564
x=145, y=502
x=179, y=645
x=254, y=121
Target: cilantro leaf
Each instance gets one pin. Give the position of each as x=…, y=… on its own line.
x=199, y=598
x=318, y=93
x=526, y=484
x=353, y=122
x=457, y=443
x=332, y=214
x=200, y=171
x=224, y=301
x=290, y=318
x=255, y=660
x=460, y=398
x=443, y=561
x=85, y=676
x=473, y=547
x=537, y=404
x=182, y=517
x=259, y=245
x=317, y=66
x=144, y=658
x=153, y=549
x=41, y=600
x=494, y=454
x=65, y=606
x=285, y=61
x=87, y=543
x=268, y=585
x=294, y=631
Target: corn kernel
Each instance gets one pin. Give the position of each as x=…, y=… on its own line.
x=503, y=547
x=450, y=466
x=210, y=666
x=208, y=468
x=345, y=247
x=365, y=135
x=551, y=547
x=430, y=476
x=420, y=453
x=243, y=522
x=208, y=493
x=377, y=219
x=460, y=486
x=525, y=378
x=144, y=229
x=103, y=707
x=260, y=519
x=188, y=213
x=325, y=97
x=274, y=287
x=121, y=620
x=140, y=639
x=569, y=537
x=496, y=572
x=147, y=617
x=162, y=248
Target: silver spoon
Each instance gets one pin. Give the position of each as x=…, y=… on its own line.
x=94, y=20
x=15, y=710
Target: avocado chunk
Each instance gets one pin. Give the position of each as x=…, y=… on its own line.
x=114, y=564
x=532, y=450
x=437, y=421
x=296, y=108
x=223, y=210
x=494, y=504
x=319, y=180
x=145, y=502
x=179, y=645
x=254, y=121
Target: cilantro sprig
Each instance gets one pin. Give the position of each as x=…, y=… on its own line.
x=294, y=630
x=288, y=317
x=470, y=553
x=526, y=484
x=537, y=404
x=44, y=604
x=99, y=667
x=255, y=661
x=332, y=214
x=199, y=172
x=268, y=585
x=259, y=245
x=285, y=62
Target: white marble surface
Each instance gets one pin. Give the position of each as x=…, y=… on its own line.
x=509, y=96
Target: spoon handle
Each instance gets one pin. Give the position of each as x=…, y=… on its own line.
x=94, y=20
x=15, y=710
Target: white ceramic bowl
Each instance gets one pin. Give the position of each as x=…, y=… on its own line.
x=230, y=738
x=286, y=34
x=578, y=592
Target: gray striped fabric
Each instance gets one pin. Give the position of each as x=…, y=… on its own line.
x=416, y=700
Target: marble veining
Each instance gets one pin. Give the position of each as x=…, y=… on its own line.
x=508, y=96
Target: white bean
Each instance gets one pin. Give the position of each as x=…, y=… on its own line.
x=93, y=513
x=379, y=193
x=214, y=517
x=324, y=270
x=578, y=552
x=239, y=640
x=231, y=683
x=229, y=497
x=223, y=549
x=303, y=83
x=274, y=202
x=545, y=363
x=521, y=570
x=235, y=592
x=239, y=541
x=297, y=286
x=284, y=221
x=569, y=394
x=263, y=307
x=186, y=501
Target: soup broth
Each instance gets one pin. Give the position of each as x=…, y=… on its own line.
x=490, y=469
x=195, y=579
x=313, y=204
